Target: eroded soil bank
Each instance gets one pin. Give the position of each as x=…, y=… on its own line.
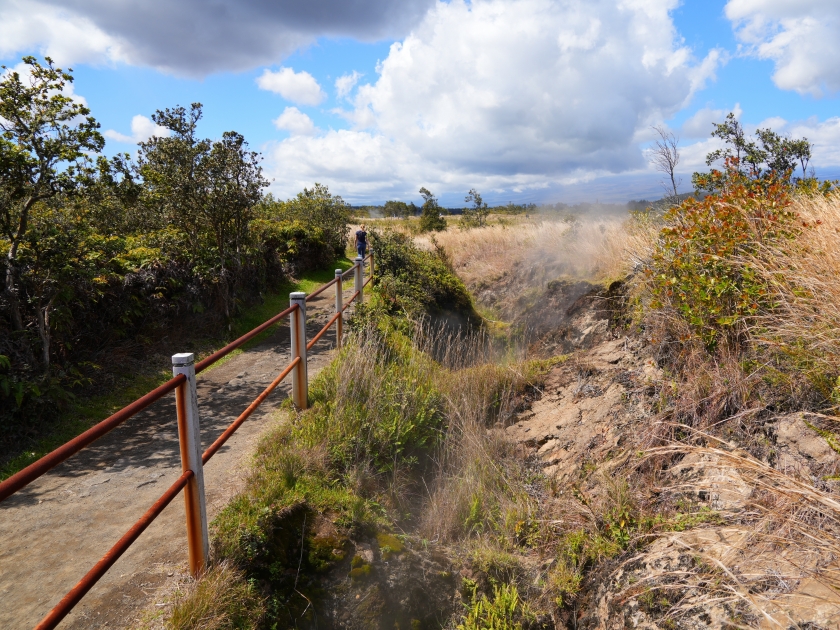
x=646, y=531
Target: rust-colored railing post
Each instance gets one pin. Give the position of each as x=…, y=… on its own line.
x=360, y=278
x=300, y=377
x=189, y=436
x=339, y=305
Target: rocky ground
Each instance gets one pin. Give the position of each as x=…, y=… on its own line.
x=596, y=414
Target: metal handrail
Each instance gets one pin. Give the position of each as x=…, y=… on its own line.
x=215, y=446
x=35, y=470
x=322, y=331
x=205, y=363
x=323, y=288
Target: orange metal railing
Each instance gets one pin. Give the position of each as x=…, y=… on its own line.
x=179, y=383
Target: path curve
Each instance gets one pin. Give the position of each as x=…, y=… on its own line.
x=54, y=530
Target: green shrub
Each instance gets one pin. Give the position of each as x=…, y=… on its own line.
x=298, y=247
x=415, y=282
x=314, y=207
x=698, y=266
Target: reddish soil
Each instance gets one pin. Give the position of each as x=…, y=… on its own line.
x=54, y=530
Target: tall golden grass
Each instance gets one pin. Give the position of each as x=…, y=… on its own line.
x=590, y=249
x=805, y=278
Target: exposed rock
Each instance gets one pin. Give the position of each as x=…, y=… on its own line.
x=586, y=411
x=706, y=478
x=592, y=415
x=801, y=450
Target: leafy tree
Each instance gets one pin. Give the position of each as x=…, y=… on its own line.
x=173, y=179
x=207, y=190
x=233, y=181
x=430, y=216
x=477, y=215
x=767, y=157
x=44, y=139
x=398, y=209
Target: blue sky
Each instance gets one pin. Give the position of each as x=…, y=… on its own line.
x=527, y=100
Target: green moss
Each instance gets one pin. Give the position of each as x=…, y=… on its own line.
x=326, y=551
x=828, y=436
x=360, y=570
x=389, y=545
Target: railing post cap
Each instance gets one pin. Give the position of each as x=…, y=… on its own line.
x=297, y=295
x=183, y=358
x=339, y=272
x=359, y=258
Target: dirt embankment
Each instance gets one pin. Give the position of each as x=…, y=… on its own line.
x=736, y=543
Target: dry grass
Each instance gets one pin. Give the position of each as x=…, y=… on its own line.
x=772, y=563
x=804, y=277
x=221, y=600
x=594, y=250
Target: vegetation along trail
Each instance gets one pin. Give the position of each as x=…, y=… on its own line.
x=57, y=528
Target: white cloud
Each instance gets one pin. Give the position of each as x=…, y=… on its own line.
x=700, y=124
x=346, y=82
x=295, y=121
x=802, y=38
x=298, y=87
x=142, y=129
x=64, y=36
x=507, y=94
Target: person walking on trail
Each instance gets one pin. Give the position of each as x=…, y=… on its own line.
x=361, y=241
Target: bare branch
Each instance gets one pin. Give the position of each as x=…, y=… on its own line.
x=665, y=156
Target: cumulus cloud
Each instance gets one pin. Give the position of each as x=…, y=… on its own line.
x=295, y=122
x=346, y=82
x=801, y=37
x=142, y=129
x=700, y=123
x=65, y=36
x=298, y=87
x=508, y=95
x=195, y=37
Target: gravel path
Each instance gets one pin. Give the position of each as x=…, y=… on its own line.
x=53, y=531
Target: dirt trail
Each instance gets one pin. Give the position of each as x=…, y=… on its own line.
x=53, y=531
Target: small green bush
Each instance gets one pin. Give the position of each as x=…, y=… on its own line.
x=415, y=282
x=699, y=267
